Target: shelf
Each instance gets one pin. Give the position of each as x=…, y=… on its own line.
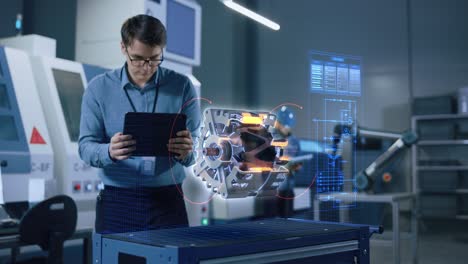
x=435, y=163
x=442, y=142
x=435, y=192
x=462, y=217
x=439, y=117
x=439, y=217
x=441, y=168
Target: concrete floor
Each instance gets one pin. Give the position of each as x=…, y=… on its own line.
x=439, y=243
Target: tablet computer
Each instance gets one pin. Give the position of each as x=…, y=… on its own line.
x=302, y=158
x=152, y=131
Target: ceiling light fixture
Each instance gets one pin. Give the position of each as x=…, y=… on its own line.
x=246, y=12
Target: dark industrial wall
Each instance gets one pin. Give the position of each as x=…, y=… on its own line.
x=440, y=46
x=51, y=18
x=225, y=55
x=375, y=30
x=218, y=54
x=409, y=48
x=8, y=11
x=55, y=19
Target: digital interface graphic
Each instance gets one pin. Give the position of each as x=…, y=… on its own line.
x=335, y=129
x=335, y=74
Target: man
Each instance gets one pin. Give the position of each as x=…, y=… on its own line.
x=139, y=193
x=282, y=205
x=285, y=198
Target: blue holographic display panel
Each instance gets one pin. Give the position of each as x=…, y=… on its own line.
x=338, y=126
x=335, y=74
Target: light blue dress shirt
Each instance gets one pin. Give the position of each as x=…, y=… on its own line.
x=103, y=109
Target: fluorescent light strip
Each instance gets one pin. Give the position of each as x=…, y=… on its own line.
x=246, y=12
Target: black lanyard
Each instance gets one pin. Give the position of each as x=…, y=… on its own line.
x=155, y=96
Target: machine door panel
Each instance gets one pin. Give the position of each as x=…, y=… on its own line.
x=14, y=149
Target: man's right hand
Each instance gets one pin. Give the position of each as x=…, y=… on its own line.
x=121, y=146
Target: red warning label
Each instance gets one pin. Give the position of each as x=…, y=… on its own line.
x=36, y=138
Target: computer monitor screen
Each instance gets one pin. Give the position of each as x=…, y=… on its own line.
x=70, y=89
x=180, y=29
x=8, y=130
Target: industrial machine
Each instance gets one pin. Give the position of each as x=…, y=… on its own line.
x=379, y=173
x=266, y=241
x=61, y=86
x=26, y=155
x=49, y=92
x=369, y=141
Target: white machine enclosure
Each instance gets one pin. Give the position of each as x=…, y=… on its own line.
x=75, y=178
x=98, y=30
x=230, y=210
x=98, y=33
x=35, y=45
x=226, y=210
x=16, y=186
x=197, y=199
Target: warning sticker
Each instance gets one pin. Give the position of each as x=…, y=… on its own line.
x=36, y=137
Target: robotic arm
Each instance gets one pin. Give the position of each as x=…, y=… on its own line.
x=365, y=178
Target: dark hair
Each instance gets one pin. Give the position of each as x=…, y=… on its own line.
x=147, y=29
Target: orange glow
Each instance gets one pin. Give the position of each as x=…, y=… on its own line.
x=387, y=177
x=284, y=158
x=247, y=118
x=279, y=143
x=260, y=169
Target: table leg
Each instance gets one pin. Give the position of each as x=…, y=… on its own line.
x=396, y=232
x=87, y=244
x=414, y=230
x=316, y=209
x=15, y=251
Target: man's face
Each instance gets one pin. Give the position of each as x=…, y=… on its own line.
x=137, y=52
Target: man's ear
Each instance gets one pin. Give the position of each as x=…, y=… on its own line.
x=122, y=48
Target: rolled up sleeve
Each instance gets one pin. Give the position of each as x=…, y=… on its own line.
x=93, y=142
x=191, y=108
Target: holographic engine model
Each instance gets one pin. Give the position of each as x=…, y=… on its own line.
x=238, y=155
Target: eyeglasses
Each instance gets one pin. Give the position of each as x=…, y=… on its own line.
x=142, y=62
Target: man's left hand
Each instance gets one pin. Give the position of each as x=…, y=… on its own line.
x=294, y=167
x=182, y=145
